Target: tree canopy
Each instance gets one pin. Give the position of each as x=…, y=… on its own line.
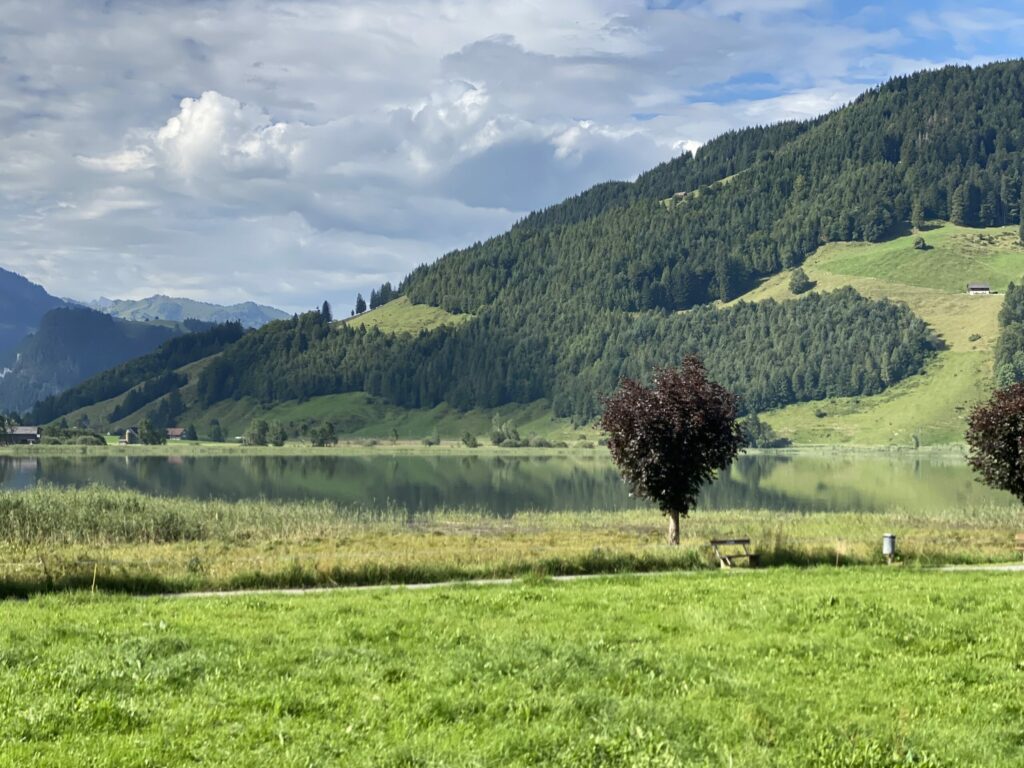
x=671, y=438
x=995, y=434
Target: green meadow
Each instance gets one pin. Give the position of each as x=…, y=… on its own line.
x=826, y=667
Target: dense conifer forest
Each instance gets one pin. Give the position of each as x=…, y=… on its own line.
x=151, y=373
x=624, y=277
x=769, y=353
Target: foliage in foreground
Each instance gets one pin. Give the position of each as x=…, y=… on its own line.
x=855, y=668
x=995, y=434
x=670, y=439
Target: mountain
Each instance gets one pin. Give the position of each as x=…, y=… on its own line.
x=22, y=306
x=141, y=380
x=73, y=344
x=159, y=307
x=694, y=257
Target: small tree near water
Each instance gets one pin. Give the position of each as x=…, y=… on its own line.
x=668, y=440
x=995, y=436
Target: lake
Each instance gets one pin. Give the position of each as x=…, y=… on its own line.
x=504, y=485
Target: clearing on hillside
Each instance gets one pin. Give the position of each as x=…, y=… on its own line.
x=401, y=316
x=928, y=409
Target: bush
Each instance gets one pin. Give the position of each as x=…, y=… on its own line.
x=432, y=440
x=505, y=434
x=761, y=435
x=324, y=435
x=89, y=440
x=277, y=435
x=469, y=440
x=258, y=433
x=920, y=244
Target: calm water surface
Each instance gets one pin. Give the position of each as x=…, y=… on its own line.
x=504, y=485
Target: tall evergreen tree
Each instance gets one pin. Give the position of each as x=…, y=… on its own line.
x=360, y=304
x=958, y=206
x=917, y=215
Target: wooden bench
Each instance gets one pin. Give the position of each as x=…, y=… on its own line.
x=1018, y=542
x=726, y=559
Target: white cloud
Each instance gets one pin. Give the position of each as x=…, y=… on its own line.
x=215, y=133
x=289, y=151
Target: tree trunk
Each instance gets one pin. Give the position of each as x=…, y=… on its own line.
x=673, y=528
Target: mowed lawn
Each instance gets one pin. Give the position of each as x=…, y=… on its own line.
x=821, y=667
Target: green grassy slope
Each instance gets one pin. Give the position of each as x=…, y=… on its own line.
x=932, y=283
x=399, y=316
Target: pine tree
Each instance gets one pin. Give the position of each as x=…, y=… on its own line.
x=917, y=215
x=725, y=279
x=151, y=435
x=958, y=206
x=360, y=304
x=799, y=282
x=216, y=432
x=190, y=433
x=325, y=313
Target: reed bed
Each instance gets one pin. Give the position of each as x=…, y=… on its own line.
x=98, y=538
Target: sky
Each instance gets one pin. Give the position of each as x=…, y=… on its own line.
x=292, y=151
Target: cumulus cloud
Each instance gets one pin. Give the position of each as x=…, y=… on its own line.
x=217, y=134
x=292, y=151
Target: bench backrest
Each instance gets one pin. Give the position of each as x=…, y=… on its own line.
x=727, y=542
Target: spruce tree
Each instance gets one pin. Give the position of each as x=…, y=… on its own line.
x=360, y=304
x=917, y=215
x=958, y=206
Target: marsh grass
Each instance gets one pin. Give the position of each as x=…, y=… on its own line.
x=123, y=541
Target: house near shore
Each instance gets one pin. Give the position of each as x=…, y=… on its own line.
x=175, y=433
x=131, y=437
x=21, y=436
x=979, y=289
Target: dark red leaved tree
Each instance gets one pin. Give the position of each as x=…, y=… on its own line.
x=995, y=434
x=671, y=438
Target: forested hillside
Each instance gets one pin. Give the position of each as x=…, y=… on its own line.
x=72, y=344
x=769, y=353
x=22, y=306
x=145, y=378
x=623, y=277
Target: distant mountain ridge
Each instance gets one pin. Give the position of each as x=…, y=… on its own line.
x=22, y=306
x=175, y=309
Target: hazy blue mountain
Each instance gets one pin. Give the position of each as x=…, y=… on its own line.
x=22, y=306
x=73, y=343
x=249, y=314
